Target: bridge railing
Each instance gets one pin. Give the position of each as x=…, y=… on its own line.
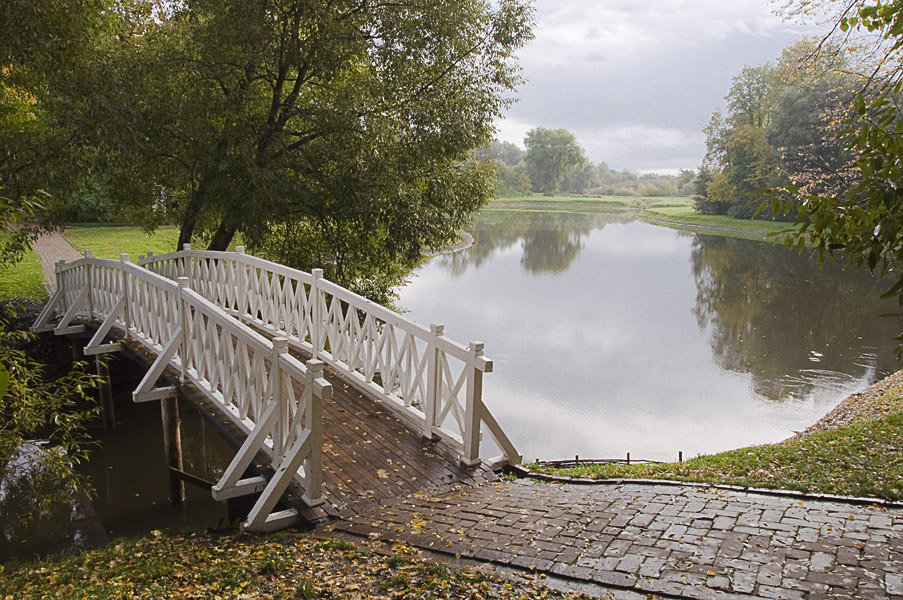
x=432, y=381
x=254, y=381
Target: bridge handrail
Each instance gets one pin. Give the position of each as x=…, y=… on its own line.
x=427, y=372
x=225, y=358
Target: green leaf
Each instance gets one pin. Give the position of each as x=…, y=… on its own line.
x=4, y=381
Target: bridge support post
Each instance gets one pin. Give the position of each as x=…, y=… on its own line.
x=105, y=393
x=172, y=444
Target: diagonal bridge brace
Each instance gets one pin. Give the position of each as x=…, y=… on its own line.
x=145, y=392
x=95, y=346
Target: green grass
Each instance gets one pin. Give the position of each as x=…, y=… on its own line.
x=283, y=565
x=686, y=216
x=864, y=458
x=539, y=200
x=23, y=279
x=110, y=242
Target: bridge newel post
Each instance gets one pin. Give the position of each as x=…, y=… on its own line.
x=313, y=465
x=280, y=347
x=183, y=322
x=433, y=381
x=474, y=404
x=242, y=282
x=317, y=332
x=58, y=271
x=185, y=261
x=124, y=258
x=89, y=276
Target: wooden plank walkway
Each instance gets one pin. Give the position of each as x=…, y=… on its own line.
x=372, y=457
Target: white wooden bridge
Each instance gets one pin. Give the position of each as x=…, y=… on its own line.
x=233, y=326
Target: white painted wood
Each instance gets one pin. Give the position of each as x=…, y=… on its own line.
x=95, y=346
x=429, y=380
x=41, y=324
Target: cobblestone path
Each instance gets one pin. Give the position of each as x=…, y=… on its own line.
x=50, y=248
x=678, y=541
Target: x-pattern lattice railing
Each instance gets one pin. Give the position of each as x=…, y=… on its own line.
x=429, y=379
x=254, y=381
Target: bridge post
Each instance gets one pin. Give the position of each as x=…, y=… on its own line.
x=242, y=299
x=125, y=291
x=185, y=263
x=280, y=347
x=472, y=413
x=172, y=445
x=313, y=464
x=433, y=382
x=89, y=271
x=58, y=270
x=186, y=339
x=105, y=393
x=316, y=325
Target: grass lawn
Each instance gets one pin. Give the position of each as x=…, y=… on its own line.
x=864, y=458
x=283, y=565
x=686, y=215
x=110, y=242
x=23, y=279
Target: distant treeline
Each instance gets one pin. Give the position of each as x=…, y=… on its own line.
x=554, y=163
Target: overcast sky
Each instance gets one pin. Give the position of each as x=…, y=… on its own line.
x=637, y=81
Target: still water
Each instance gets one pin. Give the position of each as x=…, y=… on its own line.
x=611, y=335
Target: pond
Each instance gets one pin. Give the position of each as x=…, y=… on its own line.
x=611, y=335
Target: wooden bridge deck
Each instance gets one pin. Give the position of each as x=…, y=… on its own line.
x=370, y=456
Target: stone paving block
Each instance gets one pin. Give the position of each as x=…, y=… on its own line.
x=780, y=593
x=740, y=537
x=743, y=582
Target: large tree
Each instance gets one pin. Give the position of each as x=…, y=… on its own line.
x=550, y=153
x=340, y=126
x=864, y=222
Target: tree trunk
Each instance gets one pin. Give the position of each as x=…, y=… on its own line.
x=223, y=236
x=189, y=219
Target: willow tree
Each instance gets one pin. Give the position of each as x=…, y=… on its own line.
x=342, y=128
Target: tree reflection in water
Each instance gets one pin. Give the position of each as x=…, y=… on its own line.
x=550, y=240
x=773, y=315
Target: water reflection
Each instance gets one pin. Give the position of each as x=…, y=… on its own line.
x=792, y=326
x=550, y=241
x=611, y=335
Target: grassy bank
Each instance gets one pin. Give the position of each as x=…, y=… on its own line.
x=687, y=218
x=861, y=458
x=671, y=211
x=286, y=565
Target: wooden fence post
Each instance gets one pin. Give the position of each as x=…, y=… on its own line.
x=242, y=299
x=280, y=347
x=433, y=381
x=472, y=413
x=172, y=445
x=184, y=317
x=317, y=331
x=124, y=258
x=313, y=464
x=89, y=271
x=105, y=393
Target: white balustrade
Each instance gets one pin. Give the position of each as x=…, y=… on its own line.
x=432, y=381
x=252, y=379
